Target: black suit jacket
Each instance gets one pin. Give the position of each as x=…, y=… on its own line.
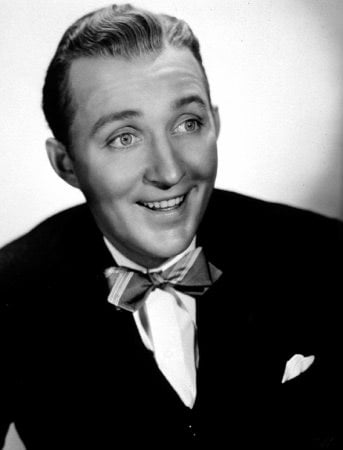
x=75, y=374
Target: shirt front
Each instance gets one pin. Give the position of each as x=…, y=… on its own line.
x=167, y=327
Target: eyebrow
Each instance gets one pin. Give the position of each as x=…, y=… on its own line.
x=129, y=113
x=184, y=101
x=113, y=117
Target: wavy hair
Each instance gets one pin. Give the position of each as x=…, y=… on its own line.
x=116, y=30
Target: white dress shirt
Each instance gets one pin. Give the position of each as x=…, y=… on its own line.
x=167, y=326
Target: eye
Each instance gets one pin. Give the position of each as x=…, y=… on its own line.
x=123, y=140
x=188, y=126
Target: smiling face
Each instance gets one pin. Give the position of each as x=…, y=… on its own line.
x=144, y=150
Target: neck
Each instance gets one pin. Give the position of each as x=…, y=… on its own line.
x=124, y=259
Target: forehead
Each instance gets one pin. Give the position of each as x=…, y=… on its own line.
x=99, y=84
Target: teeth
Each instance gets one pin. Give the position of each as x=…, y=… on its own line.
x=165, y=204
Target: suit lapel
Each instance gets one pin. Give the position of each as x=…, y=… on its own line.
x=123, y=342
x=239, y=326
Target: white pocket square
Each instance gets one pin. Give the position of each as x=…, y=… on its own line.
x=296, y=365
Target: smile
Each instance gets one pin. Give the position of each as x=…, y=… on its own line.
x=165, y=205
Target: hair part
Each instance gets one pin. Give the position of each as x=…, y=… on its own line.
x=116, y=30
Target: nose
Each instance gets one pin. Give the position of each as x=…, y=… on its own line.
x=165, y=167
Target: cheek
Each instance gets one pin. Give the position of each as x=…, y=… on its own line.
x=204, y=159
x=107, y=181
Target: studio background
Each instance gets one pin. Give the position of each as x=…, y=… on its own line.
x=276, y=72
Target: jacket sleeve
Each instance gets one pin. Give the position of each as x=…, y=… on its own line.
x=7, y=355
x=6, y=372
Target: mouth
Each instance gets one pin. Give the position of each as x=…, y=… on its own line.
x=164, y=205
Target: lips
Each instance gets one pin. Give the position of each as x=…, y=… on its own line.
x=164, y=205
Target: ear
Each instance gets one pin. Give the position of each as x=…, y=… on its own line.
x=61, y=161
x=216, y=119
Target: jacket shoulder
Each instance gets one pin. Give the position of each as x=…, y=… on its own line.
x=235, y=209
x=34, y=250
x=238, y=224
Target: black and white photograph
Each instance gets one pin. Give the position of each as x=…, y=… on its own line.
x=171, y=224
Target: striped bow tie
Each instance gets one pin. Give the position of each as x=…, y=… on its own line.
x=192, y=274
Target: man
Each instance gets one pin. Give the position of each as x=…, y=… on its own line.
x=163, y=312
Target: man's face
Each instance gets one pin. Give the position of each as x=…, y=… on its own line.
x=144, y=149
